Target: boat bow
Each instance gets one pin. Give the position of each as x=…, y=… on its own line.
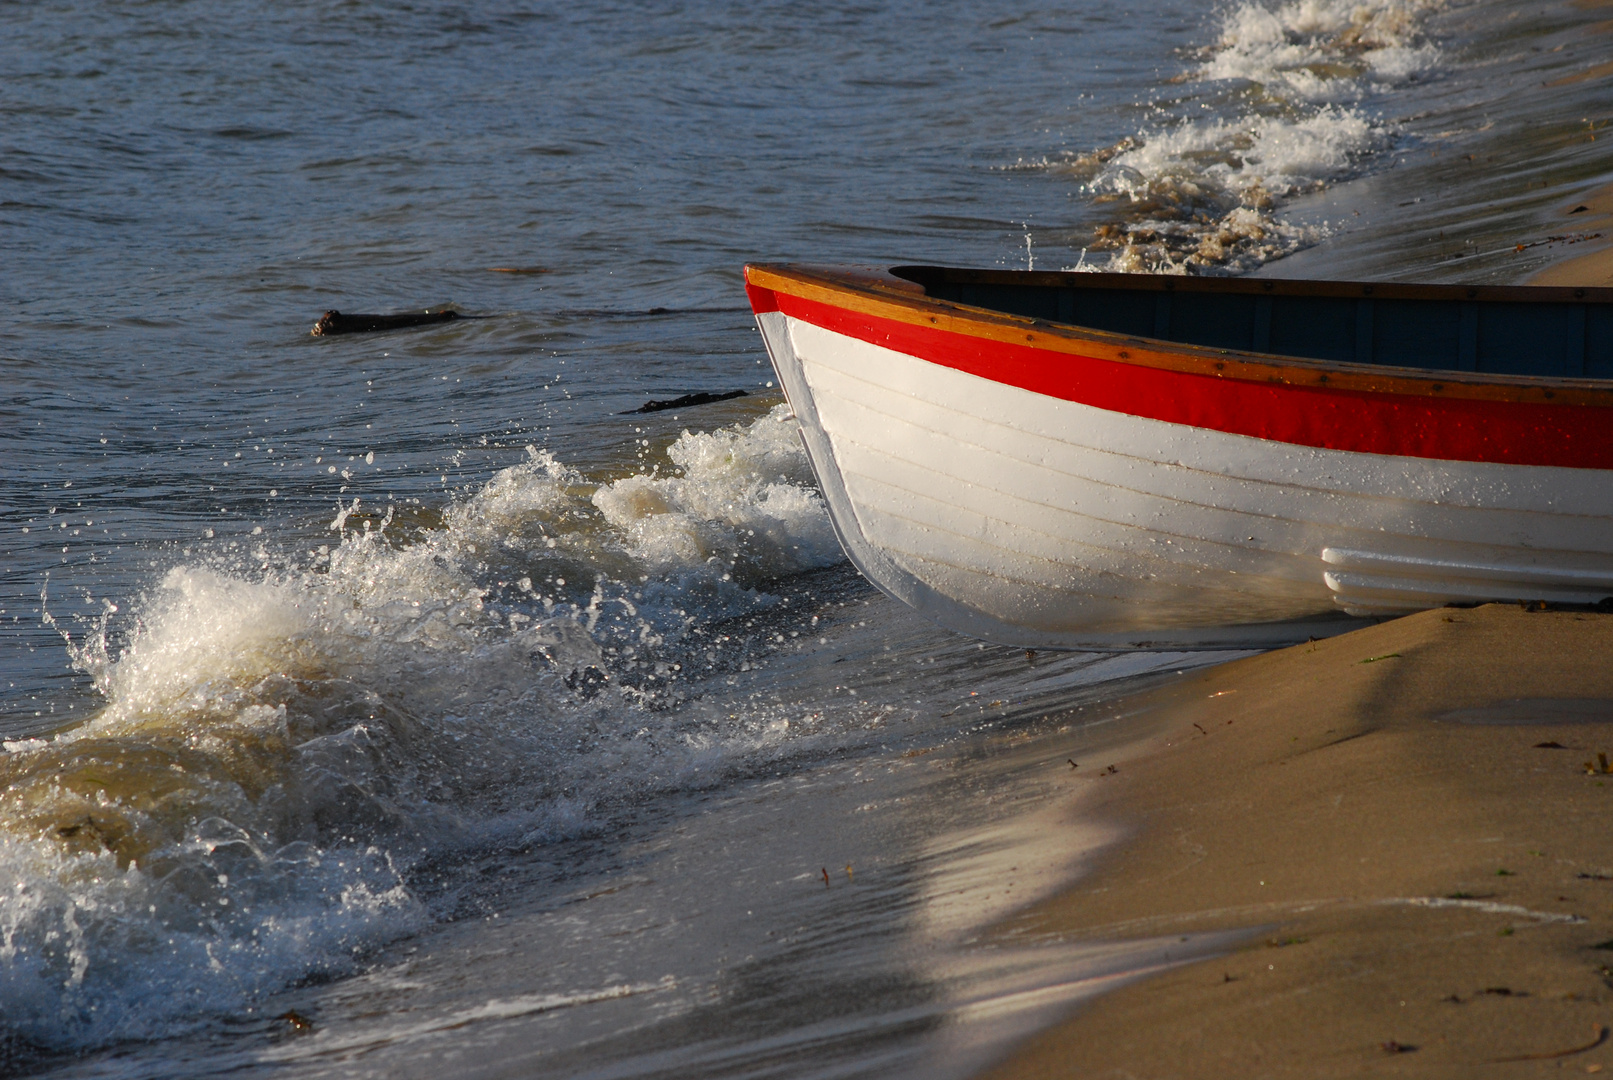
x=1040, y=483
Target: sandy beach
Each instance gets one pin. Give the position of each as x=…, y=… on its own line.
x=1411, y=822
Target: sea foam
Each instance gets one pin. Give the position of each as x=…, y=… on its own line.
x=1288, y=89
x=283, y=740
x=744, y=498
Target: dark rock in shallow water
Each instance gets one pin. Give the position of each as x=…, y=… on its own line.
x=685, y=401
x=334, y=322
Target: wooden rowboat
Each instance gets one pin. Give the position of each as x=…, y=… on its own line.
x=1120, y=460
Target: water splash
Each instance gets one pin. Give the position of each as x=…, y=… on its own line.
x=743, y=505
x=282, y=741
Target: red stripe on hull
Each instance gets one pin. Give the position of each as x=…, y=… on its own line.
x=1403, y=425
x=761, y=300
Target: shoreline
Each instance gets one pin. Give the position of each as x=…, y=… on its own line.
x=1593, y=267
x=1402, y=819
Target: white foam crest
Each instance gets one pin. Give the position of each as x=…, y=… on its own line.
x=744, y=499
x=1321, y=50
x=199, y=630
x=1204, y=193
x=1267, y=156
x=519, y=496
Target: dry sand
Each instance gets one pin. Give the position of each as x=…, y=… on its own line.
x=1404, y=818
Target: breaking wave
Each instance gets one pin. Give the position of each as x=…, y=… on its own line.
x=285, y=740
x=1281, y=107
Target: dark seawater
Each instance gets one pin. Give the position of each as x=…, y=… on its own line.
x=401, y=704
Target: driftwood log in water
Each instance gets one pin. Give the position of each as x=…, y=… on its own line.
x=334, y=322
x=684, y=402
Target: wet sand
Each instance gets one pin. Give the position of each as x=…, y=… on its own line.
x=1592, y=265
x=1404, y=819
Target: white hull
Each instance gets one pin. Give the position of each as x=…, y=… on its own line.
x=1033, y=521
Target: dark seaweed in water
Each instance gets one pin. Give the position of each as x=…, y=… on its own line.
x=684, y=402
x=334, y=322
